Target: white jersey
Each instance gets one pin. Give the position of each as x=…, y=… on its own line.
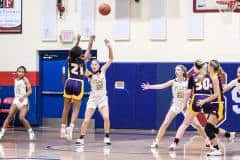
x=235, y=83
x=98, y=85
x=20, y=88
x=178, y=91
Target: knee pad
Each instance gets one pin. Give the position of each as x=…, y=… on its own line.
x=209, y=129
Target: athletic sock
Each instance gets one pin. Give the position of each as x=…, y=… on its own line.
x=106, y=134
x=30, y=130
x=72, y=125
x=81, y=136
x=227, y=134
x=176, y=140
x=216, y=147
x=63, y=125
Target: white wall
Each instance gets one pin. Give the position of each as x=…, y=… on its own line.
x=221, y=41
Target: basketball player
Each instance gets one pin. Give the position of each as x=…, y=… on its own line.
x=98, y=97
x=22, y=89
x=233, y=83
x=207, y=96
x=179, y=87
x=74, y=87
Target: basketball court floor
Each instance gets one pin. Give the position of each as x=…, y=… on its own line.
x=127, y=144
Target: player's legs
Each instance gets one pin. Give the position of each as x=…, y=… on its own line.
x=68, y=93
x=220, y=112
x=196, y=124
x=104, y=110
x=76, y=108
x=210, y=131
x=88, y=115
x=10, y=116
x=22, y=115
x=188, y=119
x=22, y=118
x=77, y=89
x=65, y=112
x=74, y=117
x=77, y=98
x=66, y=108
x=167, y=121
x=224, y=133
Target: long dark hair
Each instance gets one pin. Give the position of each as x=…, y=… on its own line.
x=75, y=52
x=22, y=67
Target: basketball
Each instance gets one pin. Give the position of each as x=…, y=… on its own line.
x=104, y=9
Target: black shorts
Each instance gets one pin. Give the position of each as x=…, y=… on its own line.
x=215, y=108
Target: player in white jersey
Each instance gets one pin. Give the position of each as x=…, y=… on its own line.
x=98, y=97
x=22, y=89
x=179, y=87
x=234, y=83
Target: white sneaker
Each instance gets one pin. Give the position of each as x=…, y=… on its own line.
x=215, y=152
x=232, y=136
x=107, y=141
x=106, y=151
x=79, y=142
x=69, y=133
x=155, y=144
x=63, y=133
x=1, y=135
x=172, y=147
x=80, y=149
x=31, y=136
x=172, y=154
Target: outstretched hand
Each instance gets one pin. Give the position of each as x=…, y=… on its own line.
x=78, y=37
x=145, y=86
x=200, y=103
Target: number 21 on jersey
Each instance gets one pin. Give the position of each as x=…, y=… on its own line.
x=76, y=69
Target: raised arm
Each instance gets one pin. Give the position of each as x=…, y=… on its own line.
x=78, y=40
x=88, y=51
x=146, y=86
x=229, y=86
x=110, y=56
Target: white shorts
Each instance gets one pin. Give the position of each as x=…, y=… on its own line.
x=176, y=108
x=20, y=104
x=94, y=102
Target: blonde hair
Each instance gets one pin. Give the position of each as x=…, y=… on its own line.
x=202, y=73
x=184, y=69
x=215, y=64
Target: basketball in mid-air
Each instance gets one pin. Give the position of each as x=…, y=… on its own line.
x=104, y=9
